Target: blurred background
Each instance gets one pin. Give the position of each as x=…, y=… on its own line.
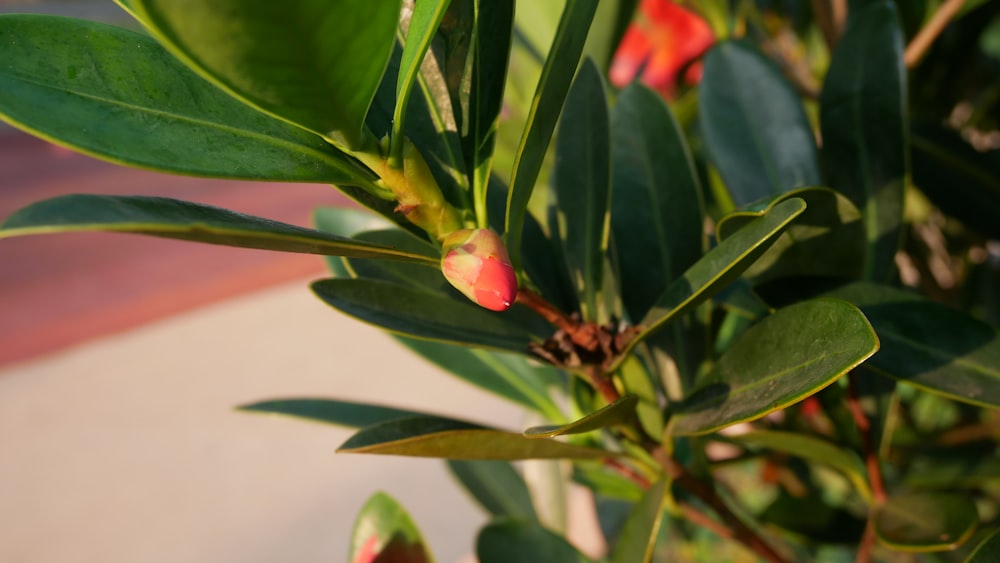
x=122, y=357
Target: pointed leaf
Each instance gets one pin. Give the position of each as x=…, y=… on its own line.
x=329, y=411
x=813, y=449
x=962, y=181
x=582, y=185
x=418, y=313
x=510, y=376
x=491, y=55
x=988, y=551
x=519, y=540
x=828, y=239
x=428, y=436
x=862, y=106
x=922, y=522
x=171, y=218
x=315, y=63
x=930, y=345
x=657, y=214
x=757, y=134
x=557, y=74
x=384, y=531
x=788, y=356
x=615, y=413
x=423, y=24
x=131, y=102
x=345, y=222
x=496, y=486
x=638, y=537
x=718, y=267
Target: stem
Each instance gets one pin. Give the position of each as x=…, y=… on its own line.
x=602, y=384
x=578, y=333
x=925, y=37
x=872, y=466
x=734, y=527
x=865, y=429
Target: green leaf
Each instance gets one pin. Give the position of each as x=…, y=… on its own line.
x=956, y=470
x=119, y=96
x=557, y=74
x=424, y=21
x=427, y=436
x=510, y=376
x=785, y=358
x=346, y=222
x=757, y=134
x=814, y=518
x=314, y=63
x=828, y=239
x=615, y=413
x=987, y=551
x=384, y=531
x=171, y=218
x=862, y=107
x=581, y=185
x=957, y=178
x=930, y=345
x=638, y=537
x=657, y=214
x=718, y=268
x=416, y=312
x=812, y=449
x=496, y=486
x=491, y=55
x=519, y=540
x=329, y=411
x=922, y=522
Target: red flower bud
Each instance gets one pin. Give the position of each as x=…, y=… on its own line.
x=475, y=262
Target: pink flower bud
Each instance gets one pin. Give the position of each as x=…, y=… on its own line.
x=475, y=262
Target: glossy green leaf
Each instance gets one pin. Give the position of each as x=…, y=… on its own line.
x=956, y=470
x=383, y=531
x=607, y=482
x=423, y=24
x=813, y=449
x=962, y=181
x=511, y=376
x=930, y=345
x=718, y=267
x=615, y=413
x=491, y=55
x=781, y=360
x=862, y=109
x=496, y=486
x=103, y=91
x=424, y=276
x=427, y=436
x=987, y=551
x=757, y=134
x=345, y=222
x=329, y=411
x=415, y=312
x=657, y=214
x=813, y=517
x=828, y=239
x=581, y=185
x=171, y=218
x=315, y=63
x=921, y=522
x=638, y=537
x=521, y=540
x=557, y=75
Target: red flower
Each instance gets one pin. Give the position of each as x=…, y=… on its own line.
x=667, y=39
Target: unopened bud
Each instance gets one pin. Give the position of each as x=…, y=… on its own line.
x=475, y=262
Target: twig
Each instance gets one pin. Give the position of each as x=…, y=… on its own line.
x=872, y=466
x=735, y=527
x=580, y=334
x=926, y=36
